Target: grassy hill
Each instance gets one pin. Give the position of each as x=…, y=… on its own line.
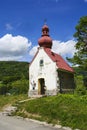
x=64, y=109
x=13, y=69
x=12, y=75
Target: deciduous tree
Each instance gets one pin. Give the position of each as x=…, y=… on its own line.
x=80, y=57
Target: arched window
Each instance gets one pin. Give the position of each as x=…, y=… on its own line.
x=41, y=62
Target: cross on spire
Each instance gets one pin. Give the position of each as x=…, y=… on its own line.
x=45, y=21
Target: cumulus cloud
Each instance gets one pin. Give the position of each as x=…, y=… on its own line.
x=18, y=48
x=13, y=47
x=65, y=49
x=33, y=51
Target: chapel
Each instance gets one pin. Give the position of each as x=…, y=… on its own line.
x=49, y=73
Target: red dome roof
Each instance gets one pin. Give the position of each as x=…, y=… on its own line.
x=45, y=40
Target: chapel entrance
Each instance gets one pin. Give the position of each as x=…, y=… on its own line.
x=41, y=86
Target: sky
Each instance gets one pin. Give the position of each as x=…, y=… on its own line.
x=21, y=22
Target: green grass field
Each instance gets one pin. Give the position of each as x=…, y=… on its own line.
x=67, y=110
x=9, y=100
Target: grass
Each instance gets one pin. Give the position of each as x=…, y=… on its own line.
x=67, y=110
x=12, y=99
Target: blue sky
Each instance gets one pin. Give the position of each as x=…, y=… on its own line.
x=21, y=22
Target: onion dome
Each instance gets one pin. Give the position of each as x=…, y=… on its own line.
x=45, y=40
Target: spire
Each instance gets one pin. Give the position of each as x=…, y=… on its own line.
x=45, y=30
x=45, y=21
x=45, y=40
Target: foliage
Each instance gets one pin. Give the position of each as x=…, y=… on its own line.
x=80, y=79
x=14, y=77
x=80, y=88
x=3, y=88
x=80, y=57
x=62, y=109
x=13, y=70
x=85, y=81
x=19, y=87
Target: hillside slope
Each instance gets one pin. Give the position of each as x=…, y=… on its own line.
x=13, y=69
x=14, y=77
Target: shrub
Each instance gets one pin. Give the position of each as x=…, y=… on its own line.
x=80, y=88
x=85, y=81
x=19, y=87
x=3, y=89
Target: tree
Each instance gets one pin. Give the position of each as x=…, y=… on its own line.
x=80, y=57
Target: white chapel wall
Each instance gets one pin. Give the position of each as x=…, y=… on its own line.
x=47, y=71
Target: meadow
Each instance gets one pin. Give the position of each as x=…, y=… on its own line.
x=64, y=109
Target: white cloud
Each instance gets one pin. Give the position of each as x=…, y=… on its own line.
x=13, y=47
x=17, y=48
x=33, y=51
x=66, y=49
x=8, y=26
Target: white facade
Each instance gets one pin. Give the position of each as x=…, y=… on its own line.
x=43, y=77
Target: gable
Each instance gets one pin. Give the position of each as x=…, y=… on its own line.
x=41, y=54
x=51, y=57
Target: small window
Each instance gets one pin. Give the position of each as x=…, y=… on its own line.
x=41, y=62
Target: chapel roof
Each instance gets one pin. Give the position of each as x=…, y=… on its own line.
x=60, y=62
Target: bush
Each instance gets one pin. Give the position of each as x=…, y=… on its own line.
x=3, y=89
x=85, y=81
x=80, y=88
x=19, y=87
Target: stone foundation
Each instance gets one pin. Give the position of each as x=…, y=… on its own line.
x=51, y=92
x=34, y=93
